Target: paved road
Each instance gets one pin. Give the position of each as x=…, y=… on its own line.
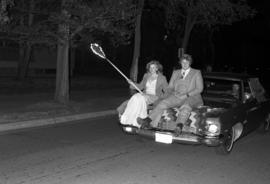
x=98, y=152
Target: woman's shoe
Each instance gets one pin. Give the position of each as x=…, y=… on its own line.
x=145, y=123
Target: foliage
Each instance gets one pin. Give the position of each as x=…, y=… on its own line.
x=4, y=4
x=82, y=17
x=208, y=13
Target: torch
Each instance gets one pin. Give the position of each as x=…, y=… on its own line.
x=96, y=49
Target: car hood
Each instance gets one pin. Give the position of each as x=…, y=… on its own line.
x=197, y=121
x=209, y=111
x=219, y=102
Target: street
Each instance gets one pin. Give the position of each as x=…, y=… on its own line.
x=97, y=151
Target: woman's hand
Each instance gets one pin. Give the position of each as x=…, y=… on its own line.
x=129, y=81
x=147, y=98
x=150, y=98
x=130, y=84
x=182, y=97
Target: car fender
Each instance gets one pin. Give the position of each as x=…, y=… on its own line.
x=238, y=129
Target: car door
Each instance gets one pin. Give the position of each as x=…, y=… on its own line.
x=253, y=108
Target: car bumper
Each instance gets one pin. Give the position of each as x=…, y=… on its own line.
x=171, y=137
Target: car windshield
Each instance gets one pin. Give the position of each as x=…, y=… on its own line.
x=222, y=88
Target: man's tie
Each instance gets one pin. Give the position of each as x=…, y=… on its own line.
x=183, y=73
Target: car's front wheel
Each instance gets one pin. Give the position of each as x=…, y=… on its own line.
x=227, y=146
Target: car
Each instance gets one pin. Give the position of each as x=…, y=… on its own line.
x=234, y=106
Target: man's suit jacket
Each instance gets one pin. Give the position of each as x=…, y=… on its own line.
x=192, y=85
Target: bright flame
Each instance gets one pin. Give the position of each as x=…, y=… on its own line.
x=97, y=50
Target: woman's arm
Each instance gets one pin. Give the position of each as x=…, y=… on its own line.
x=140, y=85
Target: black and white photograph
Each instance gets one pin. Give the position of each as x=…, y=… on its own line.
x=134, y=91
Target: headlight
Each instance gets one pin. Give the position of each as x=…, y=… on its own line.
x=212, y=126
x=128, y=129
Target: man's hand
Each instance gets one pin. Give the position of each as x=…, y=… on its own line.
x=182, y=97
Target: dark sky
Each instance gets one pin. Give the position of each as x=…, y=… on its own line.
x=247, y=42
x=243, y=44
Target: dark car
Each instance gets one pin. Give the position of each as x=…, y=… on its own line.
x=234, y=105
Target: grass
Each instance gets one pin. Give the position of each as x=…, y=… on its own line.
x=47, y=84
x=33, y=97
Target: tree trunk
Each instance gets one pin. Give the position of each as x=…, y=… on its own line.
x=62, y=65
x=27, y=47
x=62, y=73
x=137, y=43
x=190, y=22
x=21, y=59
x=72, y=61
x=212, y=49
x=23, y=65
x=24, y=62
x=181, y=51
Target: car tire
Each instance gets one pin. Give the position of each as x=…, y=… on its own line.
x=226, y=147
x=265, y=126
x=267, y=123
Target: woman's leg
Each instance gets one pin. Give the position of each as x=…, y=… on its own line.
x=136, y=107
x=121, y=108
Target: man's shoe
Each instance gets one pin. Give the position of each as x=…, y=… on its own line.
x=145, y=123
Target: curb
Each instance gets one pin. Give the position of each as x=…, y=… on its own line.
x=53, y=121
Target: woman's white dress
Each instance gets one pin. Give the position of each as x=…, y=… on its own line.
x=137, y=105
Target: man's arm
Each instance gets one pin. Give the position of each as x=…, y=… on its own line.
x=164, y=86
x=170, y=87
x=198, y=85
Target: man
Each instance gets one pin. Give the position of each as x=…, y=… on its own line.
x=184, y=91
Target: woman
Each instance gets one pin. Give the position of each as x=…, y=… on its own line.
x=154, y=85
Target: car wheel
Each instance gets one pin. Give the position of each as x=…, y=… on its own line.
x=226, y=147
x=265, y=126
x=267, y=123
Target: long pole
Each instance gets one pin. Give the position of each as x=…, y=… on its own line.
x=132, y=83
x=98, y=51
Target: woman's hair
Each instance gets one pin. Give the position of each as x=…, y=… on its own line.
x=157, y=63
x=186, y=57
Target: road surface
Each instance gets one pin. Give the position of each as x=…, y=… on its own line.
x=97, y=151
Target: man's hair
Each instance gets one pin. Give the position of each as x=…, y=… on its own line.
x=186, y=57
x=154, y=62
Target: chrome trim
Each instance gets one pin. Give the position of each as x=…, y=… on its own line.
x=252, y=109
x=188, y=138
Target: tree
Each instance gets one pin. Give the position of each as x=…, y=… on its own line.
x=150, y=6
x=184, y=15
x=137, y=42
x=26, y=18
x=63, y=24
x=3, y=10
x=25, y=49
x=76, y=18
